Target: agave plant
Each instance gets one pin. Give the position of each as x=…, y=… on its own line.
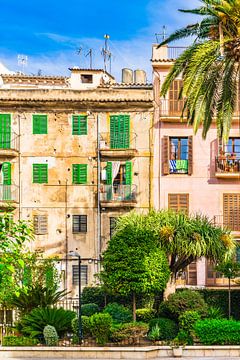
x=34, y=323
x=210, y=66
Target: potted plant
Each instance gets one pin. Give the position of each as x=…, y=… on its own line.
x=178, y=346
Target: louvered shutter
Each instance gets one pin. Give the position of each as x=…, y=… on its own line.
x=40, y=124
x=5, y=131
x=109, y=173
x=165, y=155
x=75, y=125
x=79, y=173
x=79, y=125
x=178, y=202
x=126, y=132
x=6, y=170
x=40, y=173
x=231, y=211
x=114, y=132
x=190, y=155
x=40, y=224
x=128, y=173
x=192, y=273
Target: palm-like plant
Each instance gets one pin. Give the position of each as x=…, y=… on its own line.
x=210, y=66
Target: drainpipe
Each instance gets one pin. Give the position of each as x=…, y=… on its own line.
x=99, y=223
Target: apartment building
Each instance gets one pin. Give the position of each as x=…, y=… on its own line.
x=75, y=154
x=192, y=174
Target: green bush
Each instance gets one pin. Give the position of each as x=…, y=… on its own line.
x=33, y=323
x=168, y=328
x=218, y=332
x=94, y=295
x=214, y=313
x=90, y=309
x=19, y=341
x=155, y=333
x=100, y=327
x=131, y=331
x=145, y=315
x=183, y=301
x=183, y=338
x=119, y=313
x=86, y=331
x=50, y=335
x=187, y=321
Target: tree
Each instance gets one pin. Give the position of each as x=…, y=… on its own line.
x=210, y=66
x=133, y=262
x=183, y=238
x=230, y=269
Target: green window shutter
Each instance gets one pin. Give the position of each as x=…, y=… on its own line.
x=109, y=173
x=6, y=170
x=27, y=276
x=5, y=131
x=128, y=173
x=119, y=131
x=40, y=173
x=126, y=131
x=40, y=124
x=79, y=125
x=113, y=131
x=79, y=173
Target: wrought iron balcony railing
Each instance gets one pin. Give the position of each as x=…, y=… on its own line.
x=118, y=141
x=8, y=193
x=227, y=164
x=9, y=141
x=118, y=193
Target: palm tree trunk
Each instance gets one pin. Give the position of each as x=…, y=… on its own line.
x=221, y=39
x=170, y=288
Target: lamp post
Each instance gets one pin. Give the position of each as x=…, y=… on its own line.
x=80, y=334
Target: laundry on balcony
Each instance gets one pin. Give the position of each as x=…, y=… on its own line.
x=182, y=166
x=172, y=166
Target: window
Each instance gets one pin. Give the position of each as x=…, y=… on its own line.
x=119, y=174
x=79, y=224
x=233, y=147
x=40, y=173
x=86, y=79
x=178, y=202
x=113, y=221
x=177, y=155
x=84, y=274
x=79, y=173
x=79, y=125
x=5, y=131
x=40, y=124
x=175, y=105
x=40, y=224
x=120, y=131
x=231, y=211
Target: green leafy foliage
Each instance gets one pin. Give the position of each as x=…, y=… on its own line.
x=145, y=315
x=187, y=321
x=183, y=338
x=19, y=341
x=155, y=333
x=183, y=301
x=168, y=328
x=94, y=295
x=86, y=328
x=214, y=313
x=119, y=313
x=218, y=332
x=89, y=309
x=50, y=335
x=100, y=327
x=33, y=323
x=129, y=331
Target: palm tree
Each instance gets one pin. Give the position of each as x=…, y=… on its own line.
x=210, y=66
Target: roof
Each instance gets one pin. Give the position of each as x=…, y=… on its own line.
x=91, y=70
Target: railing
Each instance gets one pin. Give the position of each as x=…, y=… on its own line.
x=9, y=141
x=171, y=108
x=227, y=164
x=118, y=193
x=8, y=193
x=232, y=222
x=173, y=52
x=117, y=141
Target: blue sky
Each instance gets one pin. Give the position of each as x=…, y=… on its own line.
x=50, y=31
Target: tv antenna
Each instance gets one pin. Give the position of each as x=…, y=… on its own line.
x=79, y=53
x=22, y=61
x=90, y=53
x=162, y=35
x=106, y=53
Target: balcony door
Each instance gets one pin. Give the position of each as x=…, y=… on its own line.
x=5, y=131
x=120, y=131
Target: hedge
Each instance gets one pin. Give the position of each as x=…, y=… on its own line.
x=218, y=332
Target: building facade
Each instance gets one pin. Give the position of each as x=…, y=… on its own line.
x=192, y=174
x=76, y=152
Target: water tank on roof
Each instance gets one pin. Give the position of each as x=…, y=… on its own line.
x=140, y=77
x=127, y=76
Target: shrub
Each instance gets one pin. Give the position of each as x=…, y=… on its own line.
x=94, y=295
x=214, y=313
x=19, y=341
x=33, y=323
x=50, y=335
x=183, y=301
x=119, y=313
x=184, y=338
x=168, y=328
x=187, y=321
x=145, y=315
x=89, y=309
x=218, y=332
x=100, y=327
x=131, y=331
x=86, y=332
x=155, y=333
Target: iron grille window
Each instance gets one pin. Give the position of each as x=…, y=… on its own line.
x=113, y=221
x=40, y=224
x=79, y=224
x=84, y=275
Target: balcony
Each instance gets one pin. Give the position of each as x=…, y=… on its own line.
x=8, y=196
x=9, y=145
x=118, y=196
x=171, y=108
x=227, y=167
x=120, y=145
x=232, y=222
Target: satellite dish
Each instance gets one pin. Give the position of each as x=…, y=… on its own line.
x=105, y=78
